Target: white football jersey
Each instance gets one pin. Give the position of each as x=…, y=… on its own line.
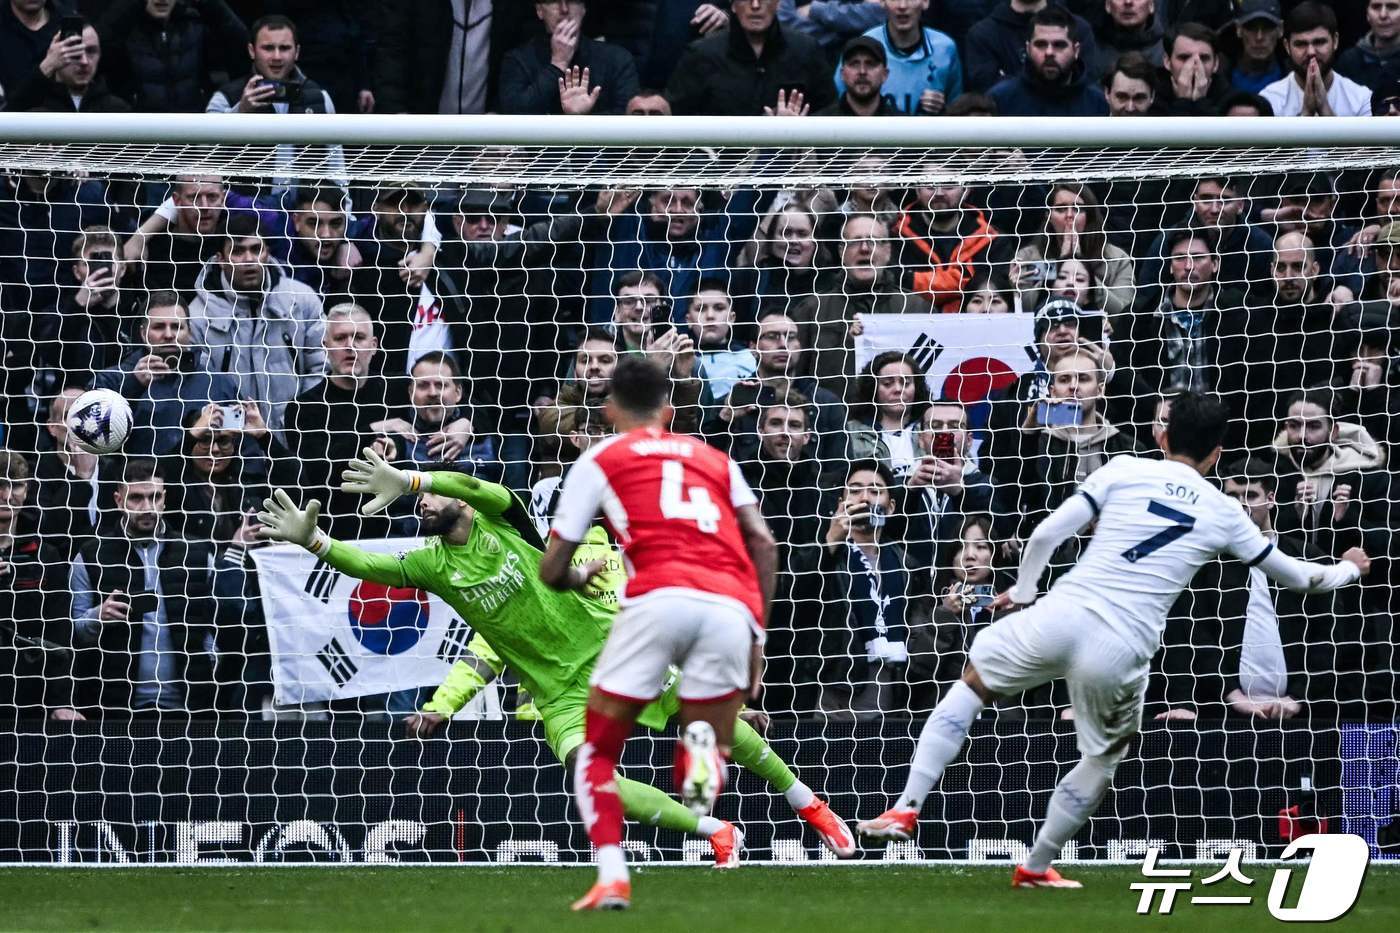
x=1158, y=523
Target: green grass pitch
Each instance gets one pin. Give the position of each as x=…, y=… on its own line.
x=523, y=899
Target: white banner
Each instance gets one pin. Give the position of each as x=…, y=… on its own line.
x=333, y=636
x=965, y=355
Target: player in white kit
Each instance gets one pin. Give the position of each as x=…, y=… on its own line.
x=1158, y=522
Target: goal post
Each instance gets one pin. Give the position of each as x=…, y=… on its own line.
x=957, y=319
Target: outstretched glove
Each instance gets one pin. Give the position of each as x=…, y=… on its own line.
x=281, y=520
x=374, y=476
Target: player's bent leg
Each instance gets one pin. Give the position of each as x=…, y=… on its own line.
x=751, y=752
x=940, y=741
x=1074, y=801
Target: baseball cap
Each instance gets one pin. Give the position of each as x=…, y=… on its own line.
x=1066, y=309
x=1250, y=10
x=478, y=201
x=866, y=44
x=1389, y=235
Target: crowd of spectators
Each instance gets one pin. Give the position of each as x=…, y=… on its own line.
x=264, y=334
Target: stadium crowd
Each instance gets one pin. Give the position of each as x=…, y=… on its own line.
x=265, y=335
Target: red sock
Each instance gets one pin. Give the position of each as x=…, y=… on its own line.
x=595, y=787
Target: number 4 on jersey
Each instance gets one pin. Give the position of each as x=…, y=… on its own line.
x=1183, y=526
x=696, y=507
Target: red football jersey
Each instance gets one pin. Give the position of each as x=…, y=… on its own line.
x=670, y=501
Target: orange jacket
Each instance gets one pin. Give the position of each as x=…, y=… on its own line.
x=942, y=283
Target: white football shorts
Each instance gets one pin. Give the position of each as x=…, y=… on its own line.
x=707, y=637
x=1052, y=638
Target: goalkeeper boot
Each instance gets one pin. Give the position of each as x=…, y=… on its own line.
x=728, y=844
x=606, y=895
x=1021, y=878
x=832, y=830
x=895, y=823
x=699, y=768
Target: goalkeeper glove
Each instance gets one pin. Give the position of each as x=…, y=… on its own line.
x=375, y=476
x=281, y=520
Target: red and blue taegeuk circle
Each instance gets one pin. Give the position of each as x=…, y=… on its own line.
x=388, y=620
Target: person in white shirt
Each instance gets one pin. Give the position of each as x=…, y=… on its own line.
x=1157, y=523
x=1313, y=89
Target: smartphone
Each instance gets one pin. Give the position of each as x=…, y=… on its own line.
x=1042, y=271
x=142, y=604
x=71, y=26
x=875, y=518
x=945, y=445
x=1067, y=413
x=234, y=417
x=99, y=260
x=980, y=596
x=659, y=319
x=283, y=91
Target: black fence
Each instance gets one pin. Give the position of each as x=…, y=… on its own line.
x=491, y=792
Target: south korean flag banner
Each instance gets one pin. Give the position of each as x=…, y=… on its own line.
x=334, y=637
x=967, y=357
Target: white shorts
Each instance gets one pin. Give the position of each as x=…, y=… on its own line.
x=1051, y=639
x=708, y=637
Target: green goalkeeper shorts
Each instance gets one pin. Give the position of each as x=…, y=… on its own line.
x=564, y=716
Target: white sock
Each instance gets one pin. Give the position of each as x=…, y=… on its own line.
x=708, y=826
x=799, y=795
x=1075, y=799
x=939, y=742
x=612, y=864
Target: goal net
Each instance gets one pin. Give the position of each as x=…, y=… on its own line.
x=915, y=337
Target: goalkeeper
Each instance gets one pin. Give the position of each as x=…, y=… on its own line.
x=482, y=559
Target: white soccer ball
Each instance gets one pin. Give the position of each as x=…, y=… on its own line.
x=99, y=421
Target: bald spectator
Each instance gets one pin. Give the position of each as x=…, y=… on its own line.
x=1282, y=344
x=755, y=66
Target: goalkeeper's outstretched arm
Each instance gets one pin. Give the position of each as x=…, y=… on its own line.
x=283, y=521
x=375, y=476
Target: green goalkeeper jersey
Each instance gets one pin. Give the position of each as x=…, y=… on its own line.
x=492, y=581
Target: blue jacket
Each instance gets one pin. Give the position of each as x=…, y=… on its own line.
x=158, y=409
x=630, y=243
x=934, y=64
x=1027, y=96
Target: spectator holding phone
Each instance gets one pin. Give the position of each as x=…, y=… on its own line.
x=945, y=484
x=69, y=81
x=964, y=586
x=276, y=85
x=97, y=318
x=164, y=378
x=216, y=476
x=1065, y=436
x=865, y=594
x=141, y=602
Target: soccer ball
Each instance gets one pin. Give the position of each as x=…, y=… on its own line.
x=99, y=421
